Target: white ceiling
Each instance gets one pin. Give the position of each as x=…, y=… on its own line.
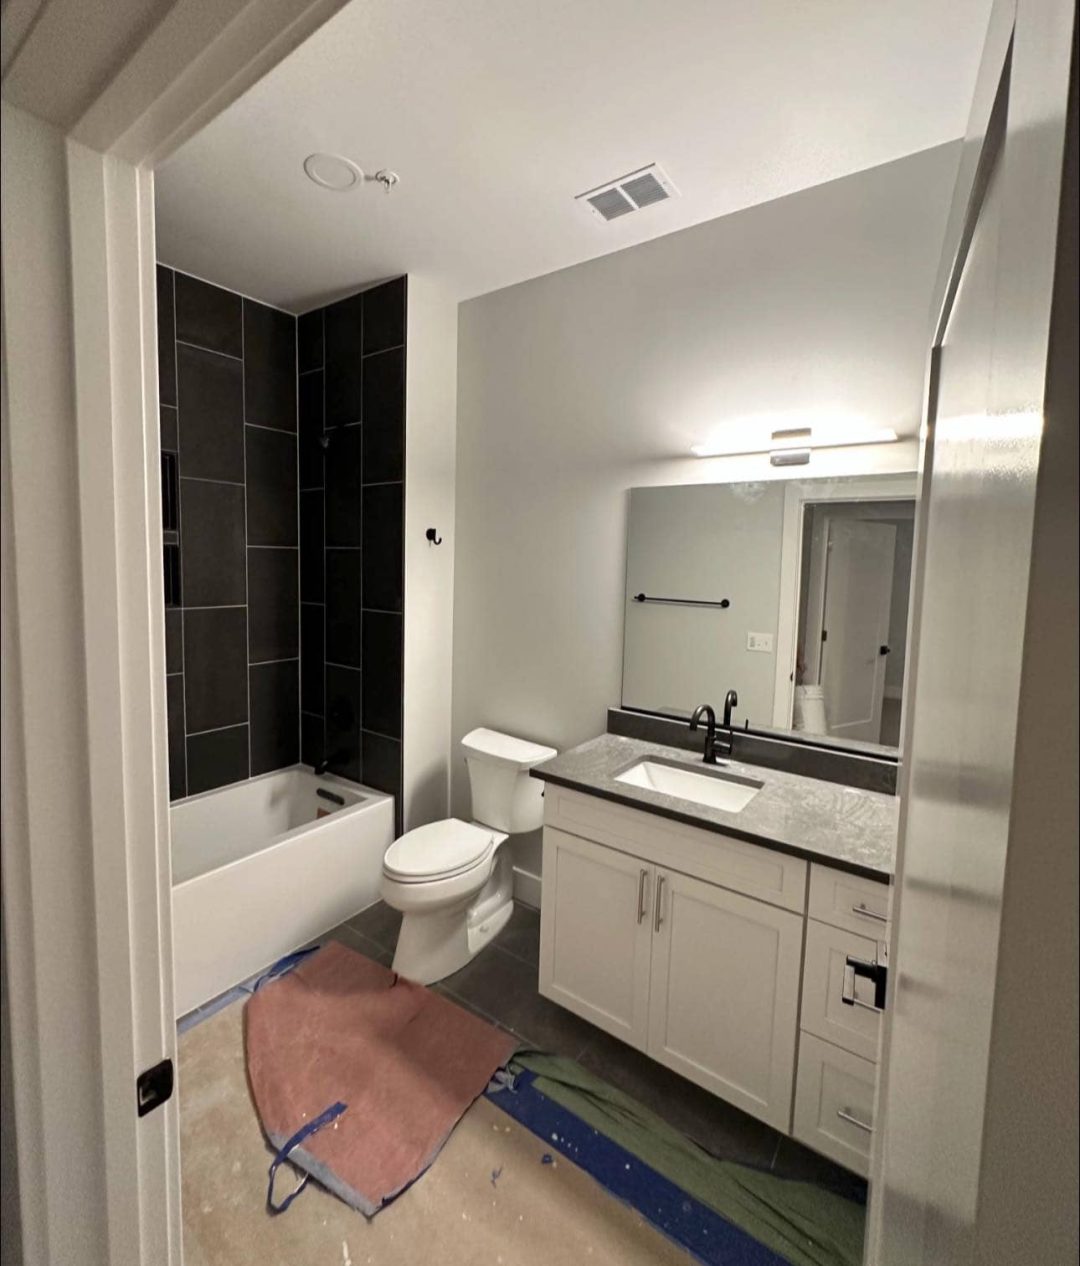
x=495, y=113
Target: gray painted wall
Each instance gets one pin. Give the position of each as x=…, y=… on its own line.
x=577, y=386
x=711, y=541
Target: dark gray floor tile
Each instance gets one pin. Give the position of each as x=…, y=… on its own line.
x=379, y=923
x=506, y=988
x=521, y=936
x=465, y=1005
x=717, y=1126
x=349, y=936
x=795, y=1161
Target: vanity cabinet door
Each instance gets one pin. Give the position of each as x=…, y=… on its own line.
x=724, y=999
x=595, y=931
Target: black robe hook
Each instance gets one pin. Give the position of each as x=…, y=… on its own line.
x=433, y=536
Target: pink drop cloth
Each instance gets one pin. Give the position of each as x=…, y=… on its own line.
x=406, y=1063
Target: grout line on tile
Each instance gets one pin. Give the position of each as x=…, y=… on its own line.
x=202, y=479
x=183, y=342
x=217, y=729
x=247, y=569
x=278, y=430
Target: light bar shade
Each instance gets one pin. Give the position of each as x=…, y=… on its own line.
x=800, y=438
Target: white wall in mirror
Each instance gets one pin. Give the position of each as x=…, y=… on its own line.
x=815, y=576
x=702, y=543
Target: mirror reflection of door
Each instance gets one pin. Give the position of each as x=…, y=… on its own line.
x=856, y=569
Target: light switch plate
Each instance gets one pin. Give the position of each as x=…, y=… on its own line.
x=759, y=642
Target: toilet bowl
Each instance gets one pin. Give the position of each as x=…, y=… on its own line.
x=453, y=880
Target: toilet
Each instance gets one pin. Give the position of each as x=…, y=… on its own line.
x=452, y=880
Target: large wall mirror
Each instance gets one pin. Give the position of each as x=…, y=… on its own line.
x=792, y=593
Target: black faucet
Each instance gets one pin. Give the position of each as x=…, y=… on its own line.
x=705, y=710
x=715, y=745
x=731, y=700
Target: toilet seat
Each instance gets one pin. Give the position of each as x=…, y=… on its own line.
x=439, y=850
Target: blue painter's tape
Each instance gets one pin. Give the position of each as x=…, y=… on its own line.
x=304, y=1132
x=695, y=1227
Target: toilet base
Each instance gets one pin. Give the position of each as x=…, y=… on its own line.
x=433, y=944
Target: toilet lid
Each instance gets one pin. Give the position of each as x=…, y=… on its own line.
x=438, y=850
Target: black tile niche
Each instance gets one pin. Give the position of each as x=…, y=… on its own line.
x=351, y=393
x=228, y=393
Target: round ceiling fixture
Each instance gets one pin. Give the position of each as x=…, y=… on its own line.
x=331, y=171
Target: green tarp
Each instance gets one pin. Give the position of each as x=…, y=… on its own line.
x=804, y=1223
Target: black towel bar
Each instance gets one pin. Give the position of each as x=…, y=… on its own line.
x=723, y=604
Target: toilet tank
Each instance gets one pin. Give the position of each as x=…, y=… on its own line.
x=504, y=795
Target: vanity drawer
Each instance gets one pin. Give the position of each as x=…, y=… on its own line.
x=824, y=1013
x=751, y=869
x=849, y=901
x=834, y=1103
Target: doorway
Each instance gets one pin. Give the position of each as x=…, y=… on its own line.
x=855, y=578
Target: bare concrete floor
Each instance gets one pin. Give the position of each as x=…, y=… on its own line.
x=488, y=1198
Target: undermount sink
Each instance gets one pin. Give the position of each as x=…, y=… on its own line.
x=714, y=790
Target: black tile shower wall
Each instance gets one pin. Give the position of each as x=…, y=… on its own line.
x=227, y=370
x=351, y=400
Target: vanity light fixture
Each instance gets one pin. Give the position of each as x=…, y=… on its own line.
x=792, y=447
x=789, y=457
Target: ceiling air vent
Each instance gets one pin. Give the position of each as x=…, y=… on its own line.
x=639, y=189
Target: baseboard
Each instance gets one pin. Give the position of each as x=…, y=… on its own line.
x=527, y=887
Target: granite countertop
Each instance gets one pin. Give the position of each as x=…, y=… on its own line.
x=826, y=822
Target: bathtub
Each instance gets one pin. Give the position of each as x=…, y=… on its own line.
x=264, y=866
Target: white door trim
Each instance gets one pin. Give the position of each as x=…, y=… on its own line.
x=87, y=883
x=797, y=496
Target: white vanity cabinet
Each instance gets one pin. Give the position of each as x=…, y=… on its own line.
x=699, y=975
x=839, y=1040
x=596, y=936
x=724, y=993
x=722, y=959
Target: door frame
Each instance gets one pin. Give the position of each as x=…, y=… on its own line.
x=87, y=876
x=797, y=496
x=1024, y=119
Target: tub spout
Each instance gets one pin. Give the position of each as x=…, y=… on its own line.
x=338, y=758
